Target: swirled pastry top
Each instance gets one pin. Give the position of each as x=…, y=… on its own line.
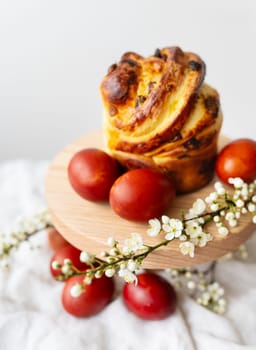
x=147, y=101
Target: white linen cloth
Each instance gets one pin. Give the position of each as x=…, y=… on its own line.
x=31, y=315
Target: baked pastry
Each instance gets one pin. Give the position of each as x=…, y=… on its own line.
x=159, y=113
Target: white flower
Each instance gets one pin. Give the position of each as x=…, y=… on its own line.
x=65, y=269
x=103, y=254
x=76, y=290
x=193, y=229
x=229, y=215
x=88, y=280
x=155, y=227
x=219, y=188
x=191, y=285
x=87, y=257
x=202, y=239
x=110, y=272
x=223, y=231
x=213, y=196
x=133, y=243
x=244, y=191
x=56, y=265
x=175, y=228
x=239, y=203
x=131, y=265
x=128, y=276
x=237, y=182
x=214, y=207
x=98, y=274
x=216, y=218
x=166, y=223
x=232, y=223
x=183, y=237
x=254, y=199
x=113, y=252
x=237, y=215
x=165, y=219
x=187, y=248
x=254, y=219
x=111, y=242
x=215, y=291
x=199, y=206
x=67, y=262
x=251, y=207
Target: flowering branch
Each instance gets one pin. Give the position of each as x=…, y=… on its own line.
x=25, y=229
x=219, y=206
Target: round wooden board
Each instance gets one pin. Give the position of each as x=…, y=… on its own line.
x=87, y=225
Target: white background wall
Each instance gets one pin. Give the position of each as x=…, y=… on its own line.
x=53, y=54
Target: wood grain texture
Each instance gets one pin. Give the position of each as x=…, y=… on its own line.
x=87, y=225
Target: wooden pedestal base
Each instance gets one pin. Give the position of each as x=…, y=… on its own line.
x=87, y=225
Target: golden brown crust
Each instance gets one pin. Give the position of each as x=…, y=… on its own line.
x=158, y=113
x=137, y=88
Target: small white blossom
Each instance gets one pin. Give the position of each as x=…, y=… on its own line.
x=214, y=207
x=187, y=248
x=165, y=219
x=88, y=280
x=229, y=215
x=239, y=203
x=191, y=285
x=254, y=219
x=232, y=223
x=218, y=185
x=216, y=218
x=56, y=265
x=86, y=257
x=98, y=274
x=215, y=291
x=131, y=265
x=245, y=191
x=65, y=269
x=208, y=200
x=237, y=215
x=197, y=209
x=254, y=199
x=111, y=242
x=133, y=243
x=128, y=276
x=103, y=254
x=213, y=196
x=155, y=227
x=193, y=229
x=201, y=221
x=113, y=252
x=199, y=206
x=223, y=231
x=183, y=237
x=251, y=207
x=67, y=262
x=175, y=228
x=237, y=182
x=76, y=290
x=202, y=239
x=219, y=188
x=123, y=265
x=110, y=272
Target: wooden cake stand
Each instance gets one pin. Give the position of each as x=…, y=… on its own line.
x=88, y=225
